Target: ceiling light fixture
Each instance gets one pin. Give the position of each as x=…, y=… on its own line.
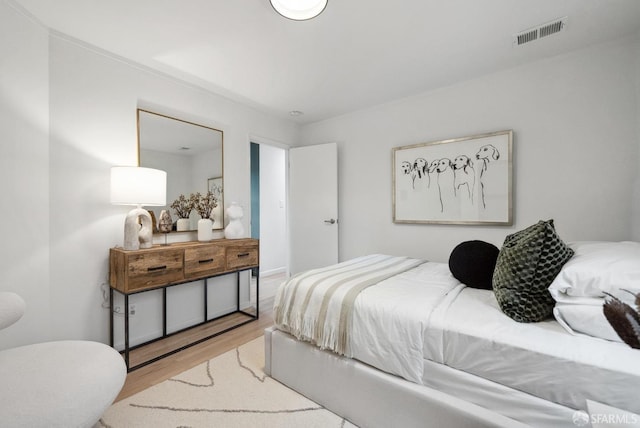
x=299, y=10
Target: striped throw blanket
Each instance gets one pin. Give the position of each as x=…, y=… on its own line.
x=316, y=305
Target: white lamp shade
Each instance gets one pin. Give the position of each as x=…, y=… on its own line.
x=299, y=10
x=133, y=185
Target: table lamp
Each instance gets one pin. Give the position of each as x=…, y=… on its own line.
x=132, y=185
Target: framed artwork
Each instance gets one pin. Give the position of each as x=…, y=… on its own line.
x=217, y=215
x=459, y=181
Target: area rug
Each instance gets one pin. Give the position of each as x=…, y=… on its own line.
x=230, y=390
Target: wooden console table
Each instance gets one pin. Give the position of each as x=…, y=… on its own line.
x=163, y=266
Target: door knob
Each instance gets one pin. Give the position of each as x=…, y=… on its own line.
x=330, y=221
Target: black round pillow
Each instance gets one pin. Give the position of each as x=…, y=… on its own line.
x=472, y=263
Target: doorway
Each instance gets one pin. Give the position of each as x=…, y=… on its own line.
x=268, y=213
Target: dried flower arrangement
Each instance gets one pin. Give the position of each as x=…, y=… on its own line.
x=183, y=206
x=204, y=204
x=624, y=319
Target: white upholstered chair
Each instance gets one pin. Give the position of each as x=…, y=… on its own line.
x=55, y=384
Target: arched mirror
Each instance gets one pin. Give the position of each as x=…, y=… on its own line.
x=190, y=153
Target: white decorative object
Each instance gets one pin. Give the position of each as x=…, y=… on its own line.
x=205, y=229
x=132, y=185
x=234, y=229
x=165, y=222
x=136, y=235
x=182, y=224
x=204, y=205
x=183, y=207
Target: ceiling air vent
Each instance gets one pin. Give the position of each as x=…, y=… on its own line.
x=540, y=31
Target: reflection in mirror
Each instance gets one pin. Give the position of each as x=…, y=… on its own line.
x=191, y=154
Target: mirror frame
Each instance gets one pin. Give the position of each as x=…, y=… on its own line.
x=221, y=176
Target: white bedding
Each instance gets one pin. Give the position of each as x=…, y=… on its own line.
x=390, y=319
x=426, y=314
x=595, y=269
x=542, y=359
x=317, y=306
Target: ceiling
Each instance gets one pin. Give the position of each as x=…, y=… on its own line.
x=356, y=54
x=160, y=133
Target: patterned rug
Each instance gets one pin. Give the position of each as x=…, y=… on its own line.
x=230, y=390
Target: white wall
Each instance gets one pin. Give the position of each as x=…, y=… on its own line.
x=576, y=147
x=93, y=126
x=84, y=102
x=24, y=172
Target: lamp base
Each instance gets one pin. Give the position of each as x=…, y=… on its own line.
x=135, y=235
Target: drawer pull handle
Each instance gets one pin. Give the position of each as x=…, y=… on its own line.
x=156, y=268
x=205, y=261
x=243, y=255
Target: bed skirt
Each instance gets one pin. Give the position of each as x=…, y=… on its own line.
x=365, y=396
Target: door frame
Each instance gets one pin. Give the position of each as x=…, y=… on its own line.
x=269, y=142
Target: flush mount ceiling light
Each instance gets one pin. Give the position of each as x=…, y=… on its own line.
x=299, y=10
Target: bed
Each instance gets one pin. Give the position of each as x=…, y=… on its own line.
x=424, y=349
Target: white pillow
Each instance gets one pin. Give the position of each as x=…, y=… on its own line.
x=585, y=319
x=599, y=267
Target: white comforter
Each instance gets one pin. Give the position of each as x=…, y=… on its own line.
x=389, y=318
x=317, y=305
x=426, y=314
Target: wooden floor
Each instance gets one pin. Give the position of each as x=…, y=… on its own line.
x=172, y=365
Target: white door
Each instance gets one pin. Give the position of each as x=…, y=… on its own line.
x=313, y=206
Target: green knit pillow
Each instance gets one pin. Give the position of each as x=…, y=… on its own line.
x=528, y=262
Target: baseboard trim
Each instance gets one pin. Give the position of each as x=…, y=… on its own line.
x=270, y=272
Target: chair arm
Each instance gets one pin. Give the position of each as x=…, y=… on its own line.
x=12, y=308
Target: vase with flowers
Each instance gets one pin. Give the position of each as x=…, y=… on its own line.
x=183, y=208
x=204, y=205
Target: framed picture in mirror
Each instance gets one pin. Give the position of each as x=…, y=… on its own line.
x=214, y=185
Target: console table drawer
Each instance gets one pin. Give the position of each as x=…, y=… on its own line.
x=153, y=268
x=203, y=261
x=133, y=271
x=243, y=256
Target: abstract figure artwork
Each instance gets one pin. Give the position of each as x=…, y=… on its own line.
x=458, y=181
